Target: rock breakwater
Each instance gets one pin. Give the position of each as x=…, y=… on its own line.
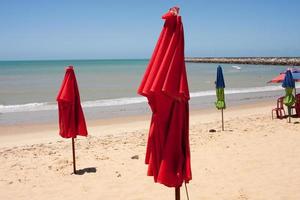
x=292, y=61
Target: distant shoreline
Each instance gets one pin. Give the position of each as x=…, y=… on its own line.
x=292, y=61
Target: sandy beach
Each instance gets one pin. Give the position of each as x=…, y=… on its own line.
x=255, y=158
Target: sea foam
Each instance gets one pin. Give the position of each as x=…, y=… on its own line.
x=31, y=107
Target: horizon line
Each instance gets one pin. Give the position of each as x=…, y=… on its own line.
x=187, y=57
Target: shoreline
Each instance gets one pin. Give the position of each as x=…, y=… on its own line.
x=135, y=109
x=33, y=133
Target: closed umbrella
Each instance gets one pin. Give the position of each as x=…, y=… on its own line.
x=220, y=85
x=289, y=85
x=166, y=88
x=71, y=117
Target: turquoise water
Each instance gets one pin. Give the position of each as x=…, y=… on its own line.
x=38, y=81
x=27, y=86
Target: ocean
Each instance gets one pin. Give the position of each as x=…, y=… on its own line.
x=108, y=88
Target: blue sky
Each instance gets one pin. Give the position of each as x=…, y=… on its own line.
x=78, y=29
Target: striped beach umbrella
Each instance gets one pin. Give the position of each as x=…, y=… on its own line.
x=220, y=85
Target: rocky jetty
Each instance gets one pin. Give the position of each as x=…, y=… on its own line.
x=291, y=61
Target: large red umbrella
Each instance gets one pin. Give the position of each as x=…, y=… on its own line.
x=165, y=85
x=71, y=117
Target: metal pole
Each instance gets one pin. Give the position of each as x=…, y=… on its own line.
x=73, y=149
x=289, y=111
x=177, y=193
x=187, y=193
x=222, y=120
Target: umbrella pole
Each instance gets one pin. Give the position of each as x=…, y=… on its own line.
x=289, y=111
x=222, y=119
x=177, y=193
x=73, y=149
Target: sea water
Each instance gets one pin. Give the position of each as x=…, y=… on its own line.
x=108, y=88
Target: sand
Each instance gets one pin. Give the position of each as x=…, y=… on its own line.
x=254, y=158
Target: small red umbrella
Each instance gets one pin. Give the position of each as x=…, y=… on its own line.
x=281, y=76
x=166, y=87
x=71, y=117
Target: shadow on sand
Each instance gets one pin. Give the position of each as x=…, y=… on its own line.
x=86, y=170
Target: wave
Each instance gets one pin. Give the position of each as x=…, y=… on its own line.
x=87, y=104
x=27, y=107
x=237, y=91
x=30, y=107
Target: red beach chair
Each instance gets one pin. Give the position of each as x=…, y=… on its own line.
x=279, y=110
x=297, y=105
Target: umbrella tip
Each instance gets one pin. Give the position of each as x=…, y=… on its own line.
x=174, y=10
x=70, y=67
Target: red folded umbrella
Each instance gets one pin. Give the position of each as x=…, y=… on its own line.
x=165, y=85
x=71, y=117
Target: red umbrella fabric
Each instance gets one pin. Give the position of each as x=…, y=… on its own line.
x=281, y=76
x=71, y=117
x=166, y=87
x=277, y=79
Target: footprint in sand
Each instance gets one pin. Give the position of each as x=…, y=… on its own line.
x=51, y=153
x=17, y=165
x=102, y=157
x=61, y=164
x=118, y=174
x=242, y=195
